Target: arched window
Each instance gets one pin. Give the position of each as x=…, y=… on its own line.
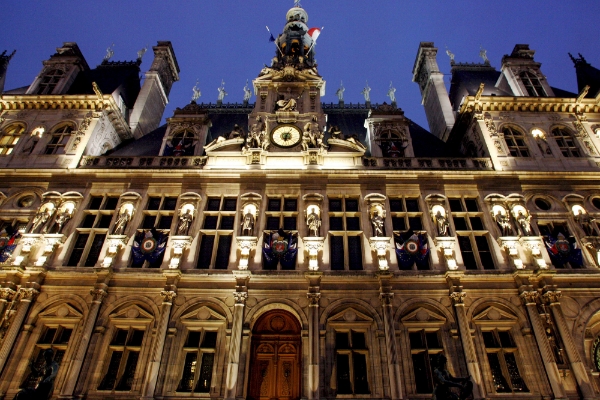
x=183, y=144
x=10, y=137
x=392, y=143
x=565, y=142
x=59, y=139
x=532, y=84
x=49, y=81
x=515, y=141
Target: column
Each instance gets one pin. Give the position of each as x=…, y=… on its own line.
x=76, y=363
x=26, y=297
x=530, y=298
x=313, y=296
x=390, y=342
x=551, y=296
x=240, y=295
x=6, y=296
x=467, y=344
x=159, y=343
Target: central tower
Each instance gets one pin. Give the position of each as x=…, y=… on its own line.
x=287, y=116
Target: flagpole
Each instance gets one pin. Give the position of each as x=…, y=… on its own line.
x=275, y=41
x=313, y=43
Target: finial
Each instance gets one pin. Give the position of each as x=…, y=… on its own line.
x=196, y=92
x=483, y=55
x=109, y=52
x=451, y=55
x=7, y=57
x=297, y=4
x=247, y=92
x=141, y=53
x=392, y=93
x=222, y=92
x=366, y=92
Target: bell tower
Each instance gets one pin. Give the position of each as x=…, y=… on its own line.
x=289, y=92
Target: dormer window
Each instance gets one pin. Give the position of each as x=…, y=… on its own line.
x=49, y=81
x=515, y=141
x=532, y=84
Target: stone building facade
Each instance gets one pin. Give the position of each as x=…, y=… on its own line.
x=293, y=249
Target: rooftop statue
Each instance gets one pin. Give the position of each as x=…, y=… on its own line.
x=392, y=93
x=340, y=91
x=247, y=92
x=196, y=92
x=109, y=52
x=366, y=92
x=222, y=92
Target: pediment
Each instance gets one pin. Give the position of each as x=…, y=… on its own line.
x=203, y=313
x=224, y=145
x=494, y=314
x=337, y=145
x=423, y=315
x=63, y=311
x=350, y=315
x=132, y=312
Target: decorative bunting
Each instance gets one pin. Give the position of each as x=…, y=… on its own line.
x=562, y=250
x=8, y=238
x=280, y=247
x=412, y=248
x=149, y=246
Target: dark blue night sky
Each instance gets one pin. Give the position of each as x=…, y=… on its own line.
x=377, y=40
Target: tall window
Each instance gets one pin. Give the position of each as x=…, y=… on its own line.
x=502, y=356
x=10, y=137
x=345, y=233
x=425, y=345
x=282, y=213
x=49, y=81
x=199, y=350
x=183, y=144
x=351, y=362
x=217, y=232
x=472, y=235
x=55, y=338
x=159, y=212
x=59, y=139
x=92, y=231
x=565, y=142
x=406, y=216
x=124, y=352
x=532, y=84
x=515, y=141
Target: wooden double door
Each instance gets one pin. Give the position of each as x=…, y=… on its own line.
x=275, y=367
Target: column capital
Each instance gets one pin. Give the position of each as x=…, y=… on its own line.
x=240, y=297
x=168, y=296
x=386, y=298
x=552, y=296
x=7, y=293
x=313, y=299
x=28, y=294
x=458, y=297
x=98, y=295
x=529, y=297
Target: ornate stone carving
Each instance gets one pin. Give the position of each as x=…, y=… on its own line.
x=509, y=244
x=313, y=245
x=446, y=245
x=386, y=298
x=535, y=245
x=380, y=245
x=98, y=295
x=27, y=294
x=491, y=127
x=51, y=241
x=246, y=244
x=593, y=245
x=579, y=129
x=313, y=298
x=240, y=297
x=552, y=296
x=458, y=297
x=81, y=131
x=7, y=294
x=168, y=296
x=178, y=244
x=114, y=244
x=529, y=297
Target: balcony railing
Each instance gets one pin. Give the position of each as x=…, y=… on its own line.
x=193, y=162
x=429, y=163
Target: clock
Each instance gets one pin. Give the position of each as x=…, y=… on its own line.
x=286, y=136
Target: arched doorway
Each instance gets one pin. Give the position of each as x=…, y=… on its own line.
x=275, y=363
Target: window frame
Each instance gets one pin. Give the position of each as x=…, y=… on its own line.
x=282, y=213
x=11, y=134
x=64, y=133
x=345, y=233
x=567, y=145
x=347, y=328
x=406, y=216
x=533, y=84
x=501, y=352
x=217, y=232
x=514, y=135
x=126, y=350
x=49, y=81
x=430, y=351
x=200, y=351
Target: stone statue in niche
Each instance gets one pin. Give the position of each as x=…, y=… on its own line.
x=503, y=221
x=122, y=220
x=312, y=137
x=313, y=222
x=442, y=224
x=248, y=224
x=41, y=219
x=185, y=221
x=287, y=105
x=585, y=222
x=61, y=220
x=524, y=221
x=377, y=222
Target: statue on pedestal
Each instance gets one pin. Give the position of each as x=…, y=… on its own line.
x=377, y=222
x=443, y=227
x=248, y=224
x=185, y=220
x=524, y=222
x=503, y=222
x=313, y=222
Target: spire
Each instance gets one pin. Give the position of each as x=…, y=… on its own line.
x=587, y=75
x=4, y=61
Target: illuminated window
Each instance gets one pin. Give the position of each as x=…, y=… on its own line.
x=565, y=142
x=217, y=233
x=199, y=359
x=515, y=141
x=59, y=139
x=532, y=84
x=124, y=352
x=49, y=81
x=345, y=233
x=502, y=356
x=351, y=360
x=10, y=137
x=472, y=234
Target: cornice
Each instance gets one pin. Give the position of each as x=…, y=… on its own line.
x=530, y=104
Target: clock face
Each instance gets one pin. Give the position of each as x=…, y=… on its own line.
x=285, y=136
